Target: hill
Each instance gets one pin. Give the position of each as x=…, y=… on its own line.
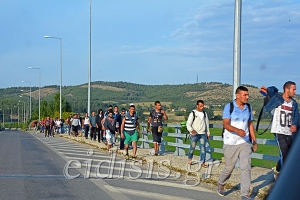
x=215, y=95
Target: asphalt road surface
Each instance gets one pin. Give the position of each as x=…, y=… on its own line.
x=37, y=167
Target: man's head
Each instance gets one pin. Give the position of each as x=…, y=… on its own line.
x=110, y=113
x=131, y=109
x=109, y=107
x=200, y=105
x=289, y=88
x=93, y=113
x=123, y=111
x=157, y=105
x=116, y=109
x=242, y=94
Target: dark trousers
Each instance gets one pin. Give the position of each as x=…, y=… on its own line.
x=100, y=134
x=284, y=143
x=86, y=131
x=122, y=143
x=47, y=131
x=93, y=133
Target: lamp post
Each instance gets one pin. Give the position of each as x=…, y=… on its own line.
x=237, y=46
x=18, y=115
x=39, y=89
x=2, y=118
x=90, y=61
x=29, y=99
x=60, y=39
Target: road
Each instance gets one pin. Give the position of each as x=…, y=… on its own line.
x=38, y=167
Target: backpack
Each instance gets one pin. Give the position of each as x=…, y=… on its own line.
x=231, y=110
x=264, y=92
x=194, y=116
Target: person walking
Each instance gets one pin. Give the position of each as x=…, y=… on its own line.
x=130, y=131
x=69, y=124
x=110, y=129
x=198, y=126
x=75, y=125
x=285, y=119
x=93, y=126
x=123, y=113
x=118, y=119
x=155, y=119
x=99, y=118
x=47, y=127
x=58, y=125
x=86, y=125
x=239, y=141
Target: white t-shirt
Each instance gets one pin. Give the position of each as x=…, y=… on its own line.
x=86, y=120
x=282, y=119
x=57, y=122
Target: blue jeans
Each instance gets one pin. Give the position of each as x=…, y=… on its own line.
x=201, y=138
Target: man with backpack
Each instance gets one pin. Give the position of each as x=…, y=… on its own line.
x=238, y=134
x=285, y=119
x=155, y=119
x=198, y=126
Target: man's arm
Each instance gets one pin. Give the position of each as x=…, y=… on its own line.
x=207, y=127
x=122, y=128
x=138, y=126
x=228, y=127
x=252, y=135
x=164, y=114
x=149, y=121
x=189, y=124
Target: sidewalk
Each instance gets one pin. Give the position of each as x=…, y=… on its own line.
x=262, y=178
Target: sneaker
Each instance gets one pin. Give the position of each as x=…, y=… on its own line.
x=276, y=173
x=134, y=158
x=127, y=157
x=247, y=197
x=221, y=190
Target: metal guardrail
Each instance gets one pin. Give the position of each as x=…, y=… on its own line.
x=180, y=146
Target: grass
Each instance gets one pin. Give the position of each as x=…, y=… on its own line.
x=262, y=149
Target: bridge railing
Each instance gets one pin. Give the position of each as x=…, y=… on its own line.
x=180, y=146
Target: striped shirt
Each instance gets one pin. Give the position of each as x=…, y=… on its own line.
x=129, y=126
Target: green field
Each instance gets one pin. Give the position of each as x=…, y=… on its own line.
x=262, y=149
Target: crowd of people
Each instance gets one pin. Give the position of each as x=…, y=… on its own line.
x=238, y=134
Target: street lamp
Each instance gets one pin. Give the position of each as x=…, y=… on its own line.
x=60, y=39
x=39, y=89
x=2, y=118
x=18, y=115
x=30, y=98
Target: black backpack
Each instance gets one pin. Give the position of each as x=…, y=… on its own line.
x=231, y=110
x=194, y=116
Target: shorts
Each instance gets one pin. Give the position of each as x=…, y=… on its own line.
x=156, y=135
x=110, y=138
x=131, y=138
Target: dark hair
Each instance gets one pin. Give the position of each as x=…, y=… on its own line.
x=288, y=84
x=110, y=111
x=133, y=106
x=241, y=88
x=115, y=106
x=156, y=102
x=110, y=106
x=123, y=110
x=200, y=101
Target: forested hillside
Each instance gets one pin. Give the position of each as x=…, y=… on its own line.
x=184, y=96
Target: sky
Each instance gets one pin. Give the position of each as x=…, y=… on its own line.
x=150, y=42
